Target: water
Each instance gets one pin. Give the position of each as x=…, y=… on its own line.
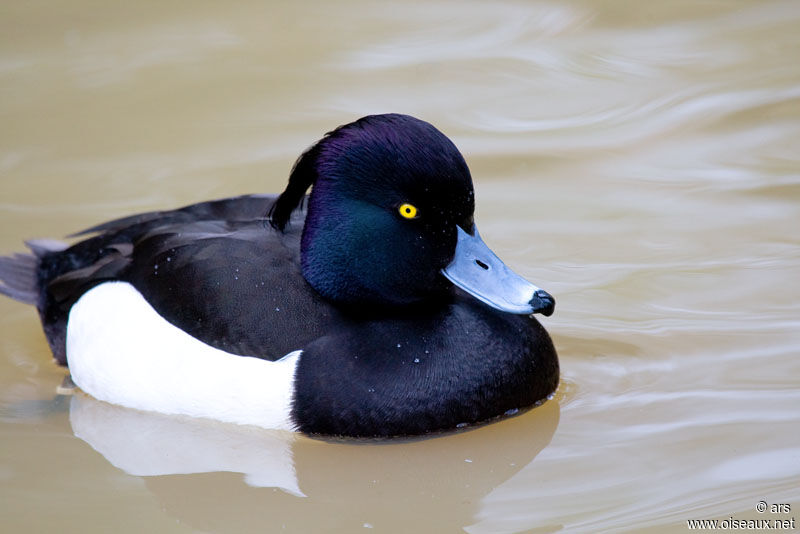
x=639, y=161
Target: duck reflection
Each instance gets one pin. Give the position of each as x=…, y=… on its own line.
x=294, y=483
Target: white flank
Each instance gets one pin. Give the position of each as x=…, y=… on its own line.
x=121, y=351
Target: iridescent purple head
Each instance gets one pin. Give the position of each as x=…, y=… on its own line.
x=392, y=197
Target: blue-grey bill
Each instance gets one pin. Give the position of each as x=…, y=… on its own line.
x=478, y=271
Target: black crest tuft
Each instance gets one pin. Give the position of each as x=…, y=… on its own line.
x=303, y=176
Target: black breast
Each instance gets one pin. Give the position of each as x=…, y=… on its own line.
x=423, y=372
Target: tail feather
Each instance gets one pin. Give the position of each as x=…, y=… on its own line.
x=40, y=247
x=18, y=277
x=19, y=273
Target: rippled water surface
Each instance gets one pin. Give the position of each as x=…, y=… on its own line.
x=641, y=161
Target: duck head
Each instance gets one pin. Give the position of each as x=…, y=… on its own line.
x=390, y=220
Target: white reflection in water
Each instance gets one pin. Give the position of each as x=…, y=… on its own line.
x=443, y=476
x=146, y=444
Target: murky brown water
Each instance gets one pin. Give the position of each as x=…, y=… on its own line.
x=639, y=160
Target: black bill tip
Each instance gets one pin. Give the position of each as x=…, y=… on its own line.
x=543, y=302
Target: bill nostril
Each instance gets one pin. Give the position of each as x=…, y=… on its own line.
x=482, y=265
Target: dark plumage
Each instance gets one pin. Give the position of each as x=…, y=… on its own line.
x=390, y=346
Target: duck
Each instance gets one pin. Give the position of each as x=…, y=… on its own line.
x=367, y=308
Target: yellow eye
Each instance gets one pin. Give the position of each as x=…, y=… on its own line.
x=408, y=211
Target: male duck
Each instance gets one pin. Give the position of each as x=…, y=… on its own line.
x=373, y=310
